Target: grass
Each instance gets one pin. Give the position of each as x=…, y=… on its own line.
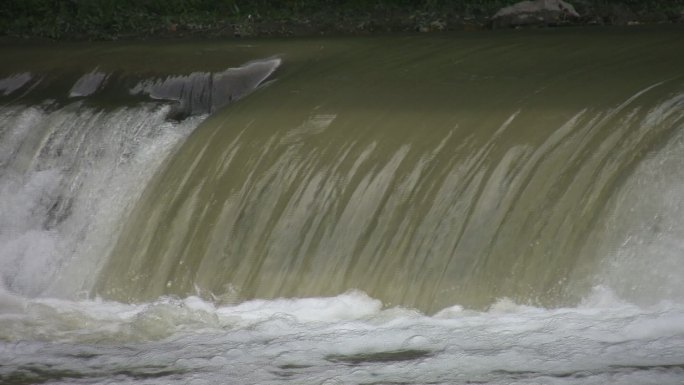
x=112, y=19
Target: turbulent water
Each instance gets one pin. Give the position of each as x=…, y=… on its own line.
x=445, y=209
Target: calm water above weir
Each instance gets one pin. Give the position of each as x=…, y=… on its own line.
x=443, y=209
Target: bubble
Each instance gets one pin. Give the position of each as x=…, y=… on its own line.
x=332, y=381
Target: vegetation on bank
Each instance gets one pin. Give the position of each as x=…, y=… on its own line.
x=112, y=19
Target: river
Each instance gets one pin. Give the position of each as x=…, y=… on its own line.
x=489, y=207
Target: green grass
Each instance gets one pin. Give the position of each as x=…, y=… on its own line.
x=111, y=19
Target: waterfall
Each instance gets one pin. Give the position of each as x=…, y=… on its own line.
x=71, y=167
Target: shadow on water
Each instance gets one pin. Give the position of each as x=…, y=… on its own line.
x=377, y=357
x=43, y=374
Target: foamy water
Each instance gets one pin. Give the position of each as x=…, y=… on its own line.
x=67, y=176
x=347, y=339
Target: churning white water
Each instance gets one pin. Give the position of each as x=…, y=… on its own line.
x=348, y=339
x=68, y=175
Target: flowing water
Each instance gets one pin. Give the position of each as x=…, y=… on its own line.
x=439, y=209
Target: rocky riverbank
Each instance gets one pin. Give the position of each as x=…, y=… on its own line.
x=128, y=19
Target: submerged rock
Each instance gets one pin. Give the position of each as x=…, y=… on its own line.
x=88, y=84
x=205, y=92
x=14, y=82
x=539, y=12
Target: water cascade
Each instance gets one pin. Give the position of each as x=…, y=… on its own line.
x=72, y=166
x=490, y=207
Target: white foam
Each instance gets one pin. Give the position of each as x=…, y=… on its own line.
x=349, y=337
x=27, y=250
x=641, y=247
x=349, y=306
x=63, y=192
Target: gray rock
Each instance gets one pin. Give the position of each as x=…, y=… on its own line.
x=531, y=13
x=620, y=14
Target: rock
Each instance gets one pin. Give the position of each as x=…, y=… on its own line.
x=535, y=13
x=620, y=14
x=438, y=25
